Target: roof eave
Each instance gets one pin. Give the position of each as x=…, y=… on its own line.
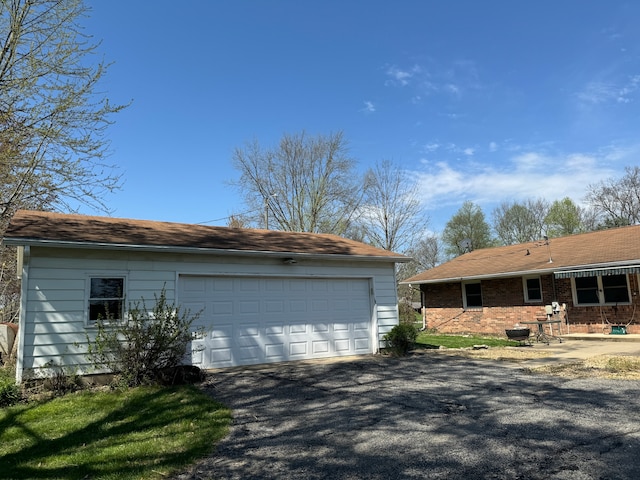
x=545, y=271
x=17, y=241
x=487, y=276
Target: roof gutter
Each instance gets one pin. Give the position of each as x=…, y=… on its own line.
x=592, y=266
x=483, y=277
x=17, y=241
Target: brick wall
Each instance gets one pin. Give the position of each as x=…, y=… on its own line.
x=504, y=306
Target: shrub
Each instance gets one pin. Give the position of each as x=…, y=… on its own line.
x=401, y=339
x=143, y=347
x=9, y=390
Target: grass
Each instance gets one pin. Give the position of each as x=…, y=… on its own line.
x=140, y=433
x=431, y=340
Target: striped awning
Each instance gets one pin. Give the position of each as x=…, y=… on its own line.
x=595, y=272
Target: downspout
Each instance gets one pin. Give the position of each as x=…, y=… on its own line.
x=24, y=254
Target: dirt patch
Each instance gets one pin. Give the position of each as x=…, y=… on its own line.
x=620, y=367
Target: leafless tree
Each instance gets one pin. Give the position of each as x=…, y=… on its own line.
x=617, y=201
x=515, y=222
x=305, y=184
x=391, y=214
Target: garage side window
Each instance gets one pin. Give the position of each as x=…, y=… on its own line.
x=106, y=298
x=472, y=295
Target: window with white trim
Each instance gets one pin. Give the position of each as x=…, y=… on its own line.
x=472, y=295
x=106, y=298
x=601, y=290
x=532, y=289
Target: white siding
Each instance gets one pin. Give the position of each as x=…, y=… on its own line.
x=53, y=322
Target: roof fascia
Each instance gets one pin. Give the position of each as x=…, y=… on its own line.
x=488, y=276
x=546, y=271
x=197, y=250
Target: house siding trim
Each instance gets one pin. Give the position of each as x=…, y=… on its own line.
x=24, y=254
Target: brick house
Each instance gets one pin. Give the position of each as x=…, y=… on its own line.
x=593, y=277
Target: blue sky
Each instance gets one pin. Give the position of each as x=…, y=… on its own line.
x=485, y=101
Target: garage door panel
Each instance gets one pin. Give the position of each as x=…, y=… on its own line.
x=221, y=331
x=298, y=349
x=262, y=319
x=343, y=345
x=298, y=306
x=221, y=357
x=320, y=327
x=221, y=308
x=275, y=351
x=362, y=345
x=274, y=329
x=320, y=347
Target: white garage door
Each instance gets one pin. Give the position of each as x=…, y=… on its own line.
x=265, y=319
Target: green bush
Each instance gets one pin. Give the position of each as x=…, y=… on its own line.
x=401, y=339
x=145, y=346
x=9, y=391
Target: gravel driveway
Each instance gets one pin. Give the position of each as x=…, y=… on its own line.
x=425, y=416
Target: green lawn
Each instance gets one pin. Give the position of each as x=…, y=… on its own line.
x=140, y=433
x=429, y=340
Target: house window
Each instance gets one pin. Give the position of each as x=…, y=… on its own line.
x=106, y=298
x=607, y=289
x=615, y=288
x=472, y=295
x=532, y=289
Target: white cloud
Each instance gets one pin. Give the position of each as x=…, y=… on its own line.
x=469, y=152
x=445, y=185
x=369, y=107
x=431, y=147
x=600, y=92
x=493, y=146
x=400, y=76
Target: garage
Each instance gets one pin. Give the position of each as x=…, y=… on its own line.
x=265, y=295
x=253, y=320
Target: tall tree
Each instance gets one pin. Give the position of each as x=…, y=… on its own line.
x=516, y=222
x=391, y=213
x=467, y=230
x=52, y=119
x=565, y=218
x=305, y=184
x=617, y=201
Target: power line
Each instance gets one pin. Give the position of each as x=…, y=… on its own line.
x=229, y=216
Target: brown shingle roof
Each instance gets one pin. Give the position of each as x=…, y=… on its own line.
x=614, y=247
x=31, y=227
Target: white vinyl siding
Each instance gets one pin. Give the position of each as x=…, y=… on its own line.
x=53, y=320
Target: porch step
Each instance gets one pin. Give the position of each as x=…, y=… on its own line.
x=602, y=337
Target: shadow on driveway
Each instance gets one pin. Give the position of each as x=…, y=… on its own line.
x=425, y=416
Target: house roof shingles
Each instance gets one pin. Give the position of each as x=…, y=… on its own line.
x=40, y=228
x=613, y=247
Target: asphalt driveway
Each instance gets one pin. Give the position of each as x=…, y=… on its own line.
x=426, y=416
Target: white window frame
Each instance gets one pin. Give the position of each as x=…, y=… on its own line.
x=464, y=296
x=526, y=289
x=87, y=293
x=600, y=294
